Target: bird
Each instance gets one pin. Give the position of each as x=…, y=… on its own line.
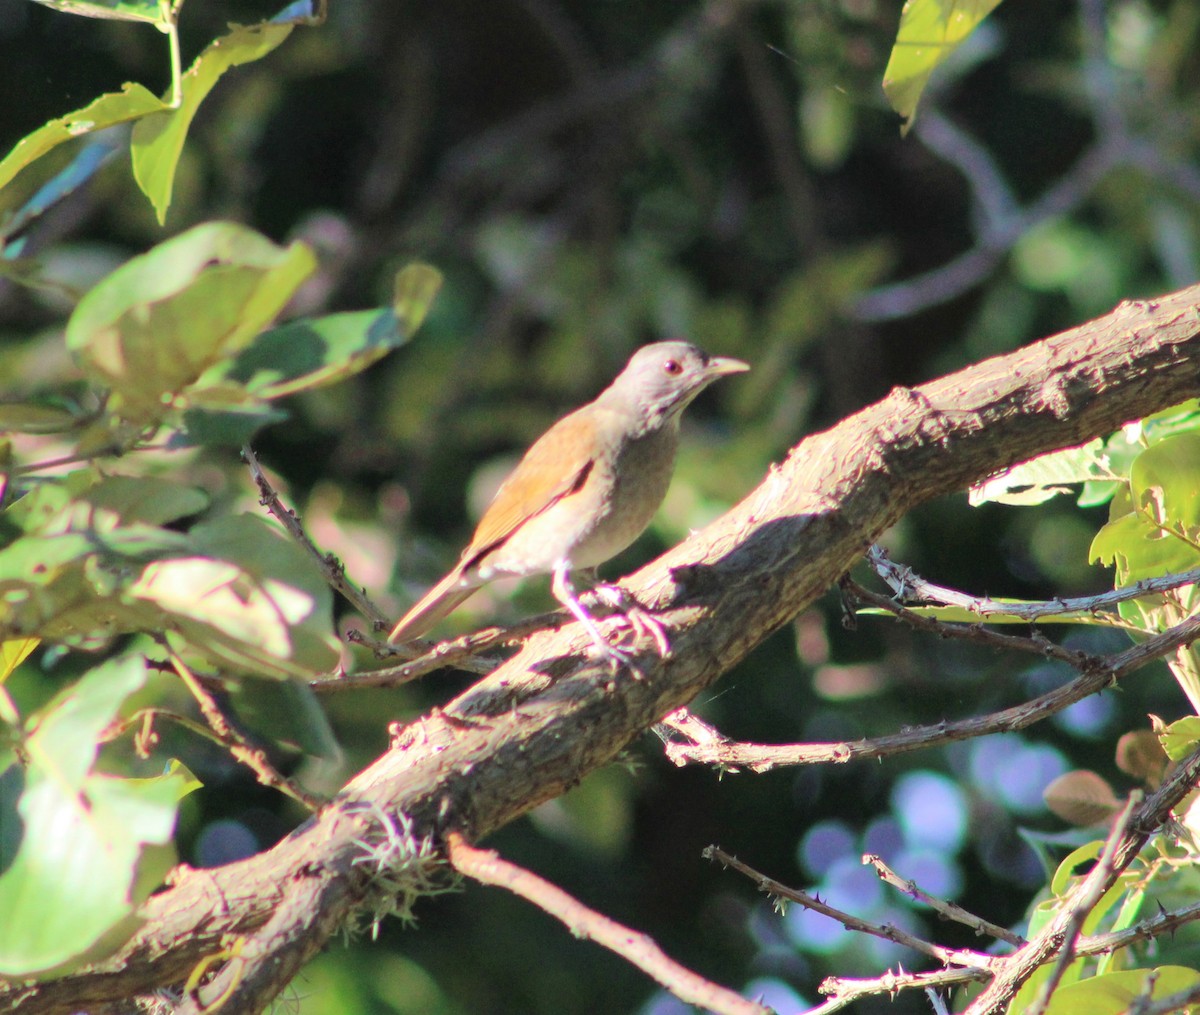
x=583, y=492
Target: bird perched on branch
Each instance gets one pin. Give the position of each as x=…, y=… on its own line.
x=584, y=491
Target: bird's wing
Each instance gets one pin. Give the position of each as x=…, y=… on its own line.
x=556, y=466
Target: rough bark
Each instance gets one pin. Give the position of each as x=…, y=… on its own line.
x=547, y=717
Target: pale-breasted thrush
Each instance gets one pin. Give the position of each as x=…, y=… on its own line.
x=585, y=490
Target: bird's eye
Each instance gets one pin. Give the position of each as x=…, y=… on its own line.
x=673, y=366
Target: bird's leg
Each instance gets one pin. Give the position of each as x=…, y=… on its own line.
x=564, y=592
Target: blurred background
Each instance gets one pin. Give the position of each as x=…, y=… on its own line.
x=591, y=176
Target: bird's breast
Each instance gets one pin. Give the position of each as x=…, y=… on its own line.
x=633, y=483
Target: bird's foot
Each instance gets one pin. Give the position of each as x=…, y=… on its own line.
x=617, y=657
x=641, y=622
x=628, y=610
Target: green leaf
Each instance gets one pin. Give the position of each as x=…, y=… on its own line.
x=306, y=354
x=158, y=139
x=131, y=103
x=250, y=600
x=90, y=562
x=930, y=30
x=143, y=500
x=156, y=324
x=1061, y=882
x=72, y=887
x=1182, y=418
x=1160, y=535
x=1116, y=993
x=1166, y=478
x=118, y=10
x=961, y=615
x=1040, y=479
x=1138, y=549
x=13, y=653
x=226, y=428
x=28, y=417
x=1180, y=738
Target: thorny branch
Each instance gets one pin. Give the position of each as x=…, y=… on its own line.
x=1096, y=674
x=1140, y=820
x=948, y=910
x=1083, y=901
x=911, y=588
x=487, y=867
x=332, y=568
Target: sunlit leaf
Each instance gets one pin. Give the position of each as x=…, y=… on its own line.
x=150, y=329
x=1166, y=478
x=13, y=653
x=131, y=103
x=930, y=30
x=1117, y=992
x=1036, y=481
x=250, y=600
x=306, y=354
x=118, y=10
x=1138, y=549
x=158, y=139
x=961, y=615
x=71, y=883
x=1159, y=533
x=1180, y=738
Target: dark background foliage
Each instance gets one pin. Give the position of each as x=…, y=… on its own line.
x=593, y=176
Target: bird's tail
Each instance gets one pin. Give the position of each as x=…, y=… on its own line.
x=440, y=601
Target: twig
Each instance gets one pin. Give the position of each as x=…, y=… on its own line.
x=760, y=757
x=776, y=889
x=845, y=991
x=689, y=725
x=232, y=739
x=1036, y=645
x=1087, y=896
x=463, y=653
x=1169, y=1004
x=1144, y=930
x=902, y=299
x=949, y=910
x=332, y=568
x=487, y=867
x=912, y=587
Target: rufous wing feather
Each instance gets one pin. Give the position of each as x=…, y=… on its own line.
x=555, y=466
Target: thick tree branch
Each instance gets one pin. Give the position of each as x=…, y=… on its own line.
x=550, y=715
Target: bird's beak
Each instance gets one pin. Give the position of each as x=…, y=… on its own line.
x=718, y=366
